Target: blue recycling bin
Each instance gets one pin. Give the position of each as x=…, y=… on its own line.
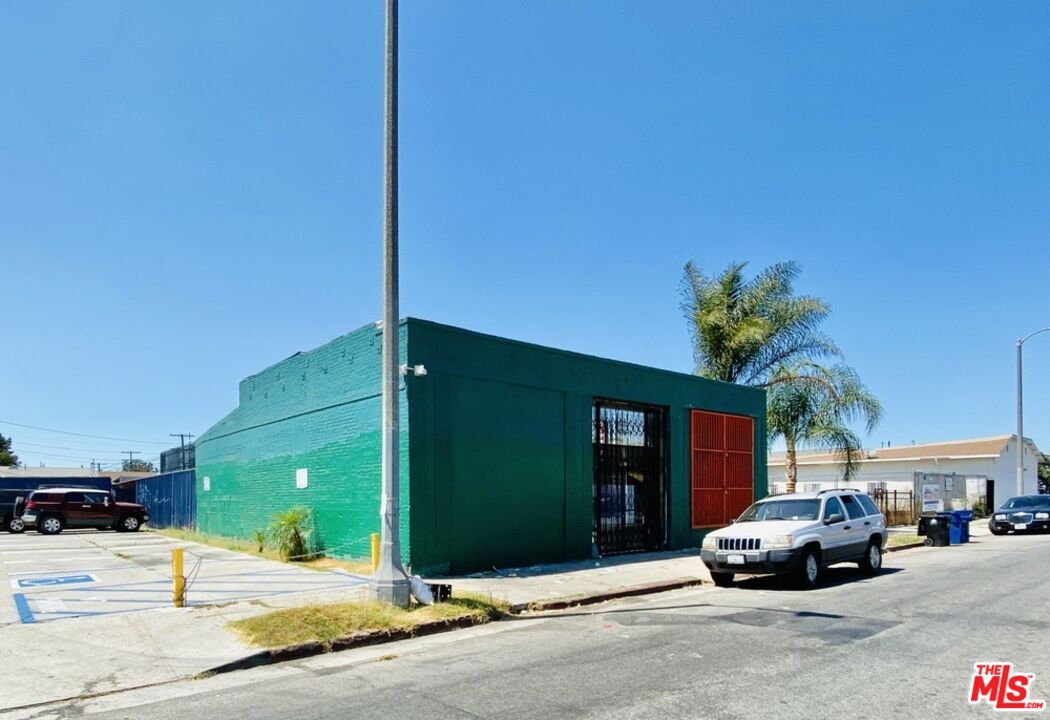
x=959, y=527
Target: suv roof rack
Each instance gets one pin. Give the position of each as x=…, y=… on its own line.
x=69, y=486
x=827, y=490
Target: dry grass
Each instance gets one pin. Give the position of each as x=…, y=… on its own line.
x=249, y=547
x=330, y=622
x=357, y=567
x=898, y=540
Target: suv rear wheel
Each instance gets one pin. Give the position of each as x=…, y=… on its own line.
x=50, y=525
x=871, y=563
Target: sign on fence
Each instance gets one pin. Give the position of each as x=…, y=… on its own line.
x=931, y=498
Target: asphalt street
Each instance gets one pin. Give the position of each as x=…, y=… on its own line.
x=900, y=645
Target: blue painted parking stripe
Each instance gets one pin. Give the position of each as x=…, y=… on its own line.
x=26, y=573
x=164, y=600
x=24, y=613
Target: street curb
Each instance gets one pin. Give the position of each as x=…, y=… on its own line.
x=310, y=649
x=905, y=547
x=591, y=599
x=363, y=639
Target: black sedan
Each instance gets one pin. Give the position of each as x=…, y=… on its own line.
x=1026, y=513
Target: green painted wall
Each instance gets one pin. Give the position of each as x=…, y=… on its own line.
x=495, y=447
x=318, y=410
x=501, y=446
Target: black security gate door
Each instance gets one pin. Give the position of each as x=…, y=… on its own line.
x=628, y=442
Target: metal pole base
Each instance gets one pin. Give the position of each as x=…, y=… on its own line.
x=391, y=590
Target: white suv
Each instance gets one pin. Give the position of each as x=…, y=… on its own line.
x=799, y=534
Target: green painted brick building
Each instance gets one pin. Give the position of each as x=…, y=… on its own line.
x=511, y=453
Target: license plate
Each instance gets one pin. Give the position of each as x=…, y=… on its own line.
x=734, y=560
x=1020, y=526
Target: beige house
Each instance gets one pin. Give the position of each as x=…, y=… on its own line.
x=894, y=468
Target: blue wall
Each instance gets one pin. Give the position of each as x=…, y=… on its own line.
x=170, y=499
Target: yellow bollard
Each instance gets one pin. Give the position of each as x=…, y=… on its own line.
x=375, y=552
x=178, y=581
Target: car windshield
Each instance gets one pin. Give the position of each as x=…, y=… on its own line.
x=781, y=510
x=1026, y=501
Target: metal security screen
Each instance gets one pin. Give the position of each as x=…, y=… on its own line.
x=628, y=442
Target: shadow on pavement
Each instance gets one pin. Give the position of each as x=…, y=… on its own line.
x=833, y=577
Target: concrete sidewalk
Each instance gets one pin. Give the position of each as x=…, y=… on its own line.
x=978, y=529
x=564, y=583
x=86, y=612
x=91, y=573
x=83, y=656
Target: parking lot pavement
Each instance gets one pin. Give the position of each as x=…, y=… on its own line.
x=91, y=573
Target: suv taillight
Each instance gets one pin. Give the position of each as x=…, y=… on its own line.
x=30, y=504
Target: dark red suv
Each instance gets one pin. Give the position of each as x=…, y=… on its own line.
x=54, y=509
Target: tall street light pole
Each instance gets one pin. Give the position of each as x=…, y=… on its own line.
x=1020, y=412
x=390, y=583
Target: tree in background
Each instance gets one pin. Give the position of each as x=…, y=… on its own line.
x=1044, y=475
x=6, y=456
x=743, y=330
x=809, y=405
x=137, y=465
x=758, y=332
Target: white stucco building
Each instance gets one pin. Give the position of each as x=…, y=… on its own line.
x=894, y=468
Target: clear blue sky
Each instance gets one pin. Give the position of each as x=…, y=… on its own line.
x=191, y=191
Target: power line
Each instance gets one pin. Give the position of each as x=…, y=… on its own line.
x=22, y=437
x=87, y=435
x=17, y=444
x=35, y=453
x=68, y=459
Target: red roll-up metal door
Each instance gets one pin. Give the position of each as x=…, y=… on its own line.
x=722, y=473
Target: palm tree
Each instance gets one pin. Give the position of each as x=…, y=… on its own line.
x=814, y=406
x=758, y=332
x=744, y=329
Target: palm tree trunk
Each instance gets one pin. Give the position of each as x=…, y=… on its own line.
x=791, y=466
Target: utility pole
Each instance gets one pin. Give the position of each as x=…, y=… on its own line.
x=131, y=454
x=390, y=583
x=1020, y=411
x=183, y=437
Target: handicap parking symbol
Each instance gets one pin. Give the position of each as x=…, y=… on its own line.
x=52, y=581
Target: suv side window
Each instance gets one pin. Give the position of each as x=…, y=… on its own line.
x=74, y=497
x=856, y=512
x=95, y=498
x=831, y=507
x=869, y=505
